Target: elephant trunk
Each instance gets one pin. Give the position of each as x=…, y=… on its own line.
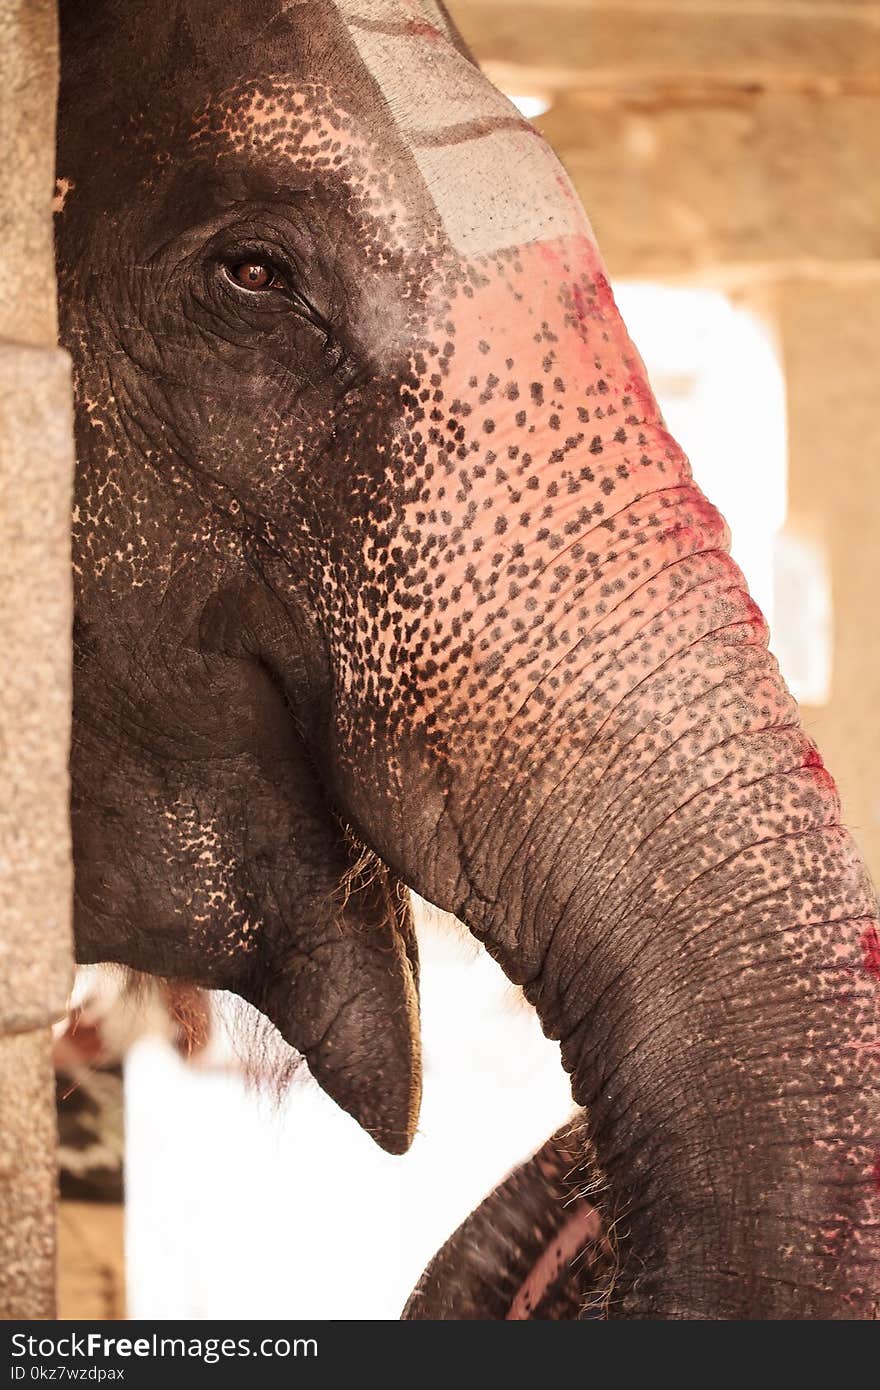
x=556, y=712
x=654, y=849
x=643, y=835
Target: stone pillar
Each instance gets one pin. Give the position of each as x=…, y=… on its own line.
x=36, y=466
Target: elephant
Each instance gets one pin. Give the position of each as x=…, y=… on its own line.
x=389, y=576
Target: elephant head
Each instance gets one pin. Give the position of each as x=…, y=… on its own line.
x=379, y=533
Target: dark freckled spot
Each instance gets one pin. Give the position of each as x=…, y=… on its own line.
x=500, y=525
x=483, y=345
x=488, y=426
x=537, y=392
x=596, y=444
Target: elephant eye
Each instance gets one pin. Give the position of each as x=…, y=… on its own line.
x=254, y=275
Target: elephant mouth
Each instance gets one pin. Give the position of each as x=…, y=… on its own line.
x=337, y=974
x=347, y=1000
x=536, y=1248
x=208, y=850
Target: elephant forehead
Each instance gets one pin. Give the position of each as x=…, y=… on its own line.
x=308, y=128
x=493, y=180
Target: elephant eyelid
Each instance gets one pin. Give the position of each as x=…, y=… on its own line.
x=284, y=286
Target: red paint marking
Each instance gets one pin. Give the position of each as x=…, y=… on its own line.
x=604, y=292
x=422, y=29
x=580, y=303
x=871, y=956
x=813, y=761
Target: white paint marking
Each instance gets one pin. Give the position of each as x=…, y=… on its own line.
x=501, y=189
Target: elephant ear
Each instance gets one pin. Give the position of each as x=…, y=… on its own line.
x=534, y=1249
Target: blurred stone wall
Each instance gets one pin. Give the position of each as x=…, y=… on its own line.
x=736, y=144
x=36, y=466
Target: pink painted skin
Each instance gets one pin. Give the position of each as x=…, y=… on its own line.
x=582, y=1227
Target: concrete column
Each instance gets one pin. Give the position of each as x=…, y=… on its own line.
x=36, y=466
